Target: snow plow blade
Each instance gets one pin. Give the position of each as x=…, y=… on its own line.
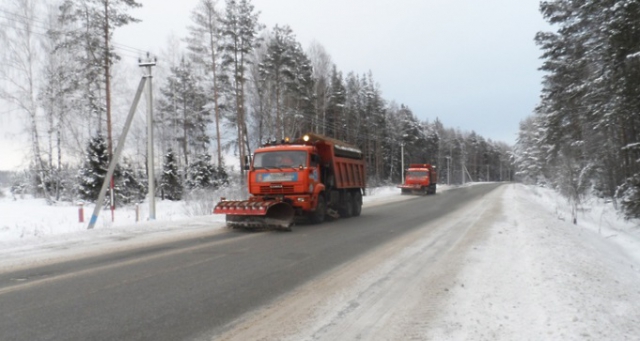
x=257, y=214
x=412, y=189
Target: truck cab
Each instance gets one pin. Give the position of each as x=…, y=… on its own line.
x=420, y=178
x=288, y=172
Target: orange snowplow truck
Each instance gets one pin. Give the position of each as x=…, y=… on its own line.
x=420, y=178
x=313, y=176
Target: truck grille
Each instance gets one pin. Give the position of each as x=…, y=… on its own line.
x=276, y=189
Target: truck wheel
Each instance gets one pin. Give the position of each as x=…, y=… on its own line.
x=347, y=209
x=357, y=203
x=319, y=214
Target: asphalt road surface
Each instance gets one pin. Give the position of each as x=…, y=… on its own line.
x=197, y=288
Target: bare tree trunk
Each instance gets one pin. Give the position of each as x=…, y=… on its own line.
x=20, y=79
x=216, y=94
x=185, y=134
x=107, y=79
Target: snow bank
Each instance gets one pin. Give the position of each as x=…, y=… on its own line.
x=538, y=276
x=30, y=229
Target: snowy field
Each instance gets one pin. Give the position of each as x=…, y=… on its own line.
x=530, y=275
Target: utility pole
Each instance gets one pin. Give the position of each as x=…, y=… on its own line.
x=402, y=160
x=150, y=164
x=107, y=81
x=448, y=169
x=114, y=161
x=449, y=164
x=462, y=162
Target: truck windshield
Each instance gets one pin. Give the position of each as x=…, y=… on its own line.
x=280, y=159
x=417, y=174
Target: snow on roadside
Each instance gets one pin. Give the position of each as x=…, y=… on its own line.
x=28, y=218
x=537, y=276
x=32, y=231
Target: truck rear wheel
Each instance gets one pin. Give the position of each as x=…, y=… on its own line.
x=357, y=203
x=347, y=206
x=319, y=214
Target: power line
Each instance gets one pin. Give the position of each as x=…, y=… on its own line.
x=126, y=50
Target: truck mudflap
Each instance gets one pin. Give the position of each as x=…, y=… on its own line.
x=257, y=214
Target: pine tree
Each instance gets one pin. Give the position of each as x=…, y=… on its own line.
x=201, y=173
x=170, y=181
x=585, y=134
x=99, y=20
x=92, y=174
x=221, y=176
x=240, y=30
x=335, y=108
x=302, y=94
x=182, y=102
x=128, y=186
x=277, y=68
x=629, y=195
x=204, y=43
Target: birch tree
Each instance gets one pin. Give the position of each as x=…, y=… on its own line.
x=21, y=63
x=321, y=64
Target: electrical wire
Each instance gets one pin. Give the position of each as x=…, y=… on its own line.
x=43, y=29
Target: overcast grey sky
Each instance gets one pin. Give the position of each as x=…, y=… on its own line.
x=473, y=64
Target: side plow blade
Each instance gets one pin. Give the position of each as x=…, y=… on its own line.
x=257, y=214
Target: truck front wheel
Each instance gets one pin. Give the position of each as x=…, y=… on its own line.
x=321, y=208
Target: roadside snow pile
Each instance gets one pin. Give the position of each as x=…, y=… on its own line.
x=538, y=276
x=28, y=218
x=32, y=218
x=31, y=230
